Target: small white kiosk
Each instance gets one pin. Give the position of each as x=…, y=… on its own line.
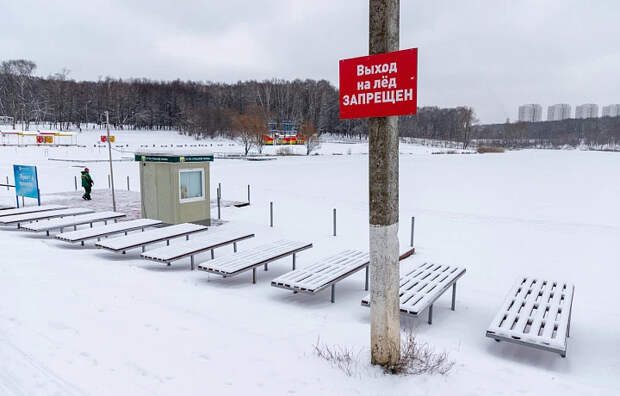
x=174, y=187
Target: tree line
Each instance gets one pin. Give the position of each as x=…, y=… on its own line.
x=201, y=108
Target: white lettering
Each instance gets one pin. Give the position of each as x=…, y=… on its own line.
x=393, y=67
x=345, y=100
x=360, y=70
x=409, y=94
x=392, y=83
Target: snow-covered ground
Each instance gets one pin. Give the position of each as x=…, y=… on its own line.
x=83, y=321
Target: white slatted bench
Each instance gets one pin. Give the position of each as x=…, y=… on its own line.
x=140, y=240
x=237, y=263
x=422, y=286
x=72, y=221
x=29, y=209
x=537, y=314
x=38, y=216
x=107, y=230
x=167, y=254
x=324, y=273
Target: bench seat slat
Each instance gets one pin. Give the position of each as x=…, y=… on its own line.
x=57, y=223
x=110, y=229
x=248, y=259
x=321, y=274
x=535, y=313
x=194, y=246
x=421, y=286
x=48, y=214
x=30, y=209
x=152, y=236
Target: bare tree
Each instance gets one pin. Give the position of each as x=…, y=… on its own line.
x=310, y=135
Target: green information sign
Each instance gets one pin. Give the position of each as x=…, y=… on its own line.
x=173, y=158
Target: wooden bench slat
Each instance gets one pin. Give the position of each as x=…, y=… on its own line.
x=254, y=257
x=30, y=209
x=152, y=236
x=422, y=285
x=48, y=214
x=323, y=273
x=194, y=246
x=110, y=229
x=535, y=313
x=57, y=223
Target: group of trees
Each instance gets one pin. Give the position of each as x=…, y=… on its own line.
x=243, y=109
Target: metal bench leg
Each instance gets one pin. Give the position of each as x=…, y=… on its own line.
x=366, y=285
x=91, y=225
x=453, y=295
x=212, y=254
x=82, y=243
x=191, y=262
x=74, y=228
x=254, y=275
x=105, y=222
x=168, y=263
x=187, y=237
x=47, y=233
x=333, y=293
x=123, y=252
x=167, y=242
x=294, y=262
x=143, y=248
x=235, y=247
x=266, y=268
x=430, y=314
x=568, y=327
x=125, y=233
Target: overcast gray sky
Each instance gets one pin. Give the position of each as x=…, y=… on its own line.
x=490, y=54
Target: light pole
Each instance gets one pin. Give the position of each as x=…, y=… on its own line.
x=383, y=29
x=107, y=123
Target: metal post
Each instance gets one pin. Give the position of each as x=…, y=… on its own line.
x=75, y=182
x=333, y=292
x=248, y=192
x=235, y=247
x=191, y=261
x=334, y=221
x=108, y=182
x=7, y=184
x=107, y=121
x=219, y=213
x=412, y=227
x=254, y=275
x=430, y=314
x=270, y=214
x=294, y=261
x=128, y=184
x=453, y=295
x=383, y=37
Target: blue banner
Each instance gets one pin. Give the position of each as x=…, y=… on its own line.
x=26, y=182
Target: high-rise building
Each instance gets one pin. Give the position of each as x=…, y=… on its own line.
x=530, y=112
x=558, y=112
x=612, y=110
x=588, y=110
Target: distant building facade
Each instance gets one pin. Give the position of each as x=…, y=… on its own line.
x=530, y=112
x=558, y=112
x=588, y=110
x=611, y=111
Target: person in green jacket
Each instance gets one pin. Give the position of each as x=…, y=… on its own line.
x=87, y=183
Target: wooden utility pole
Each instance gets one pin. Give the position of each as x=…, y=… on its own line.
x=107, y=123
x=383, y=35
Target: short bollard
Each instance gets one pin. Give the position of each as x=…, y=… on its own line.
x=334, y=221
x=412, y=227
x=270, y=214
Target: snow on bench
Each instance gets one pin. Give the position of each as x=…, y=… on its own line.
x=420, y=287
x=29, y=209
x=124, y=243
x=324, y=273
x=190, y=248
x=236, y=263
x=536, y=313
x=37, y=216
x=73, y=221
x=105, y=231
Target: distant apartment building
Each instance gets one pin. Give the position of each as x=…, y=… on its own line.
x=558, y=112
x=588, y=110
x=611, y=111
x=530, y=112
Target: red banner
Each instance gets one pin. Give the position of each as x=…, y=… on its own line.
x=379, y=85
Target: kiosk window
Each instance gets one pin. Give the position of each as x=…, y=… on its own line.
x=191, y=185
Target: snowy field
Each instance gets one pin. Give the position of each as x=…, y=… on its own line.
x=79, y=320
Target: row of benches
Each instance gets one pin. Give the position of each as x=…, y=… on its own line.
x=536, y=313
